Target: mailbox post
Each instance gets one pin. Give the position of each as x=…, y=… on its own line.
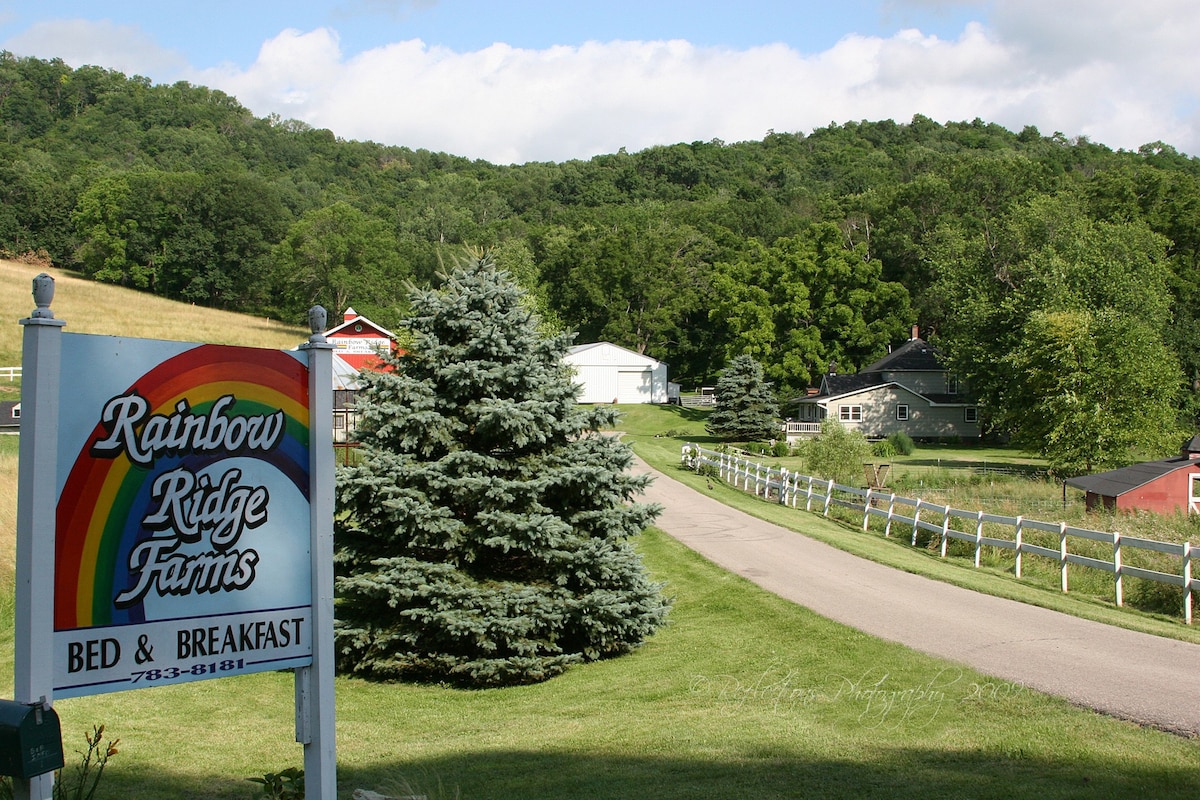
x=30, y=740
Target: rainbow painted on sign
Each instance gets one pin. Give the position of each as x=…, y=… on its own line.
x=102, y=506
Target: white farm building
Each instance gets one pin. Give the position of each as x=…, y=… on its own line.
x=613, y=374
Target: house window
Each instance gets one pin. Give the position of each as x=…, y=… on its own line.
x=902, y=412
x=971, y=414
x=951, y=384
x=339, y=422
x=850, y=413
x=16, y=412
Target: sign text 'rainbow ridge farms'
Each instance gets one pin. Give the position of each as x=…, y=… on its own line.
x=183, y=538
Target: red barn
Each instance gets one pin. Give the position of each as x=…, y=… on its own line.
x=1167, y=486
x=360, y=341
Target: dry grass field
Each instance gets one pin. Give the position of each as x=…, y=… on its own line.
x=89, y=307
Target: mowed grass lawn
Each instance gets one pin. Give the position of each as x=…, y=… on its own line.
x=742, y=695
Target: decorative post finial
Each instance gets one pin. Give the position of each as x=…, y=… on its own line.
x=317, y=317
x=43, y=294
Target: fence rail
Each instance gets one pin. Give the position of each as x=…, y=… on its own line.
x=976, y=528
x=697, y=400
x=12, y=373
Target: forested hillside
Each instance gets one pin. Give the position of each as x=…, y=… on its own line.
x=1060, y=276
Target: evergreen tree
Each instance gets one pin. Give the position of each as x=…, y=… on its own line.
x=483, y=539
x=746, y=409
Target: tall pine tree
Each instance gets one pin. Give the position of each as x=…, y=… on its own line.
x=483, y=539
x=746, y=407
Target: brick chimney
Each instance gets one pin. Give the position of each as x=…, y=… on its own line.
x=915, y=331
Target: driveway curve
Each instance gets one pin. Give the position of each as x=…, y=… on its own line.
x=1146, y=679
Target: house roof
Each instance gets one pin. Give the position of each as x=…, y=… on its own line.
x=606, y=353
x=915, y=355
x=1119, y=481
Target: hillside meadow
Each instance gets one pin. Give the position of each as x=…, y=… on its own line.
x=90, y=307
x=742, y=694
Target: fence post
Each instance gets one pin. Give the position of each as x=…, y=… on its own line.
x=945, y=529
x=1118, y=569
x=916, y=523
x=978, y=539
x=808, y=502
x=828, y=496
x=1187, y=583
x=1017, y=536
x=867, y=509
x=887, y=529
x=1062, y=553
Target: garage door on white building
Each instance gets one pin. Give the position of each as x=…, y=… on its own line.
x=634, y=387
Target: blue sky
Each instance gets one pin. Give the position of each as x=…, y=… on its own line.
x=526, y=80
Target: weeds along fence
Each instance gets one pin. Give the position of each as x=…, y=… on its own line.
x=978, y=529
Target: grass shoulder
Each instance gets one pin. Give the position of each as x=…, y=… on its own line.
x=658, y=433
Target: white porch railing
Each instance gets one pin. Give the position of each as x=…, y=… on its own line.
x=946, y=523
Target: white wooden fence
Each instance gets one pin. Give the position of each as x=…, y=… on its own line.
x=946, y=523
x=12, y=373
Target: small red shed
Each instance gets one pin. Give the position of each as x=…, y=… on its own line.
x=1167, y=486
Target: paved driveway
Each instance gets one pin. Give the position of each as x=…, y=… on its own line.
x=1135, y=676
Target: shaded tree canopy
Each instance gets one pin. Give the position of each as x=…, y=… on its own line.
x=798, y=249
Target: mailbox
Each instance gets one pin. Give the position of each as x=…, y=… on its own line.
x=30, y=740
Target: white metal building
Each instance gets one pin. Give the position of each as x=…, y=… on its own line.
x=613, y=374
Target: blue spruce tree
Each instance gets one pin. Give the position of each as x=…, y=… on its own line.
x=483, y=538
x=746, y=407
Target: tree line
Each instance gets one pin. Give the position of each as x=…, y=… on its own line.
x=1058, y=276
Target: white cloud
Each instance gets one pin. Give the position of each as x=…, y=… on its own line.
x=1118, y=72
x=125, y=48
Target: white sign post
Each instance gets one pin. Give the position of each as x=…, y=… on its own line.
x=314, y=684
x=32, y=650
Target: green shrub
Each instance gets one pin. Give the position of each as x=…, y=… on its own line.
x=901, y=443
x=781, y=450
x=285, y=785
x=883, y=449
x=838, y=453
